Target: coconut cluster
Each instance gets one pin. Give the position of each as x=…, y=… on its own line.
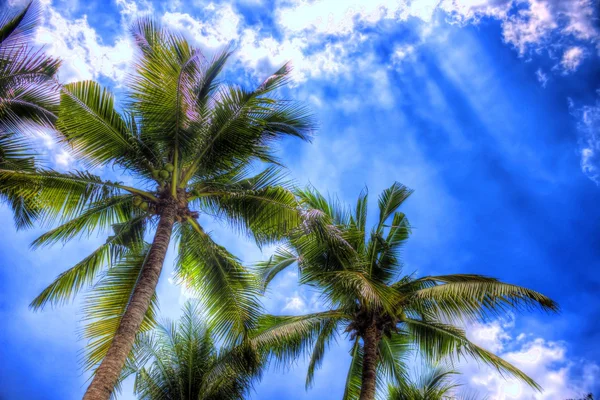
x=140, y=203
x=164, y=173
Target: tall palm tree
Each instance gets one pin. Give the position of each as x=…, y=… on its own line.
x=185, y=364
x=28, y=97
x=359, y=276
x=189, y=142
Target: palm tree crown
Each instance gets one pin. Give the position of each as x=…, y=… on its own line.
x=359, y=276
x=431, y=383
x=189, y=142
x=185, y=364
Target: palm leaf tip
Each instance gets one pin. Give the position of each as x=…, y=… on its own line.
x=15, y=28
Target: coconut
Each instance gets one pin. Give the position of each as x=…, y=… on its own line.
x=169, y=167
x=164, y=174
x=156, y=173
x=137, y=200
x=144, y=206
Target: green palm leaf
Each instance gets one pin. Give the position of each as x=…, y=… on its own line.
x=477, y=297
x=286, y=338
x=354, y=377
x=260, y=206
x=389, y=201
x=105, y=304
x=128, y=235
x=224, y=286
x=90, y=125
x=27, y=91
x=394, y=351
x=326, y=335
x=99, y=215
x=15, y=154
x=267, y=270
x=438, y=340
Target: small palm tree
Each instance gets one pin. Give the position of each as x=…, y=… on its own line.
x=360, y=279
x=189, y=142
x=432, y=384
x=28, y=97
x=185, y=363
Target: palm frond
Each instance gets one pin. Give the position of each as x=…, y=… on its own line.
x=394, y=351
x=242, y=123
x=477, y=297
x=106, y=303
x=312, y=199
x=16, y=29
x=326, y=335
x=389, y=201
x=267, y=270
x=360, y=217
x=257, y=206
x=95, y=131
x=128, y=236
x=60, y=196
x=98, y=216
x=346, y=287
x=437, y=340
x=224, y=286
x=16, y=154
x=354, y=377
x=28, y=92
x=287, y=338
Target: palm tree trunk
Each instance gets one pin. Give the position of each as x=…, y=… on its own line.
x=108, y=372
x=371, y=339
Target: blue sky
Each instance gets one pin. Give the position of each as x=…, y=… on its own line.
x=489, y=109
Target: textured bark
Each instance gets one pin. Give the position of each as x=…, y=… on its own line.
x=108, y=372
x=371, y=338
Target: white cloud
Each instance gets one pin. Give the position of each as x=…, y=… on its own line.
x=303, y=25
x=295, y=304
x=334, y=17
x=589, y=139
x=542, y=77
x=529, y=26
x=580, y=16
x=218, y=27
x=133, y=9
x=473, y=10
x=64, y=159
x=529, y=23
x=403, y=52
x=81, y=49
x=572, y=58
x=258, y=53
x=546, y=361
x=525, y=23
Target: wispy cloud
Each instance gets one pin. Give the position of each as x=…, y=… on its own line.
x=588, y=126
x=572, y=58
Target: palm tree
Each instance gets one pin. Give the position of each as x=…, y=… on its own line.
x=190, y=144
x=359, y=276
x=433, y=384
x=186, y=365
x=28, y=97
